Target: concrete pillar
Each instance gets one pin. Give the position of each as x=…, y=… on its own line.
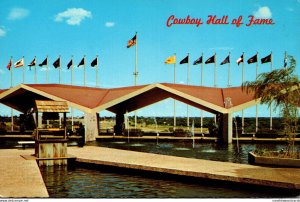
x=91, y=126
x=227, y=128
x=119, y=127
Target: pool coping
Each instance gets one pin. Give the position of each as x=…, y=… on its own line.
x=287, y=178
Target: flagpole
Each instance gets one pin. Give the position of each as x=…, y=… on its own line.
x=35, y=79
x=229, y=71
x=136, y=74
x=11, y=72
x=188, y=70
x=243, y=119
x=188, y=83
x=97, y=80
x=243, y=68
x=215, y=79
x=59, y=71
x=271, y=120
x=84, y=79
x=23, y=70
x=59, y=81
x=47, y=73
x=72, y=110
x=72, y=70
x=215, y=71
x=11, y=85
x=256, y=111
x=136, y=60
x=202, y=67
x=174, y=109
x=201, y=119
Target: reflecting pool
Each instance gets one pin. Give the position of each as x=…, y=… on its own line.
x=208, y=151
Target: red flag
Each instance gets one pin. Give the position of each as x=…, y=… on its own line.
x=9, y=64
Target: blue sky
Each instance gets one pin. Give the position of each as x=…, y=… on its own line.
x=91, y=27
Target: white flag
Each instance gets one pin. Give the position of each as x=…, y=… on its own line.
x=19, y=63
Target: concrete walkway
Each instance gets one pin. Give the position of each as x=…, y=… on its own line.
x=20, y=178
x=225, y=171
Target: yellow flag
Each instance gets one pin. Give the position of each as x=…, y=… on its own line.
x=171, y=60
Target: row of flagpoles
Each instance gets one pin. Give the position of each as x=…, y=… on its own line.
x=170, y=60
x=57, y=64
x=213, y=59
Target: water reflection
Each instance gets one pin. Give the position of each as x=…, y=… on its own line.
x=63, y=182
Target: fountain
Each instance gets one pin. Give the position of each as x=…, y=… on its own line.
x=157, y=134
x=193, y=134
x=127, y=123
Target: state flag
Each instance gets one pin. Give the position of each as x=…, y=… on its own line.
x=94, y=62
x=266, y=59
x=210, y=60
x=70, y=64
x=171, y=60
x=241, y=59
x=184, y=60
x=131, y=42
x=19, y=63
x=33, y=63
x=81, y=62
x=45, y=62
x=56, y=64
x=198, y=61
x=226, y=60
x=253, y=59
x=9, y=64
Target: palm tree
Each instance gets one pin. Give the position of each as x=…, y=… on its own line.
x=282, y=88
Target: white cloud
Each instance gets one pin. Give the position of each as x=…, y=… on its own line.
x=18, y=13
x=73, y=16
x=2, y=32
x=263, y=12
x=109, y=24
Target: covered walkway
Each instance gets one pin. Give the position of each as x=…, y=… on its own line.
x=221, y=101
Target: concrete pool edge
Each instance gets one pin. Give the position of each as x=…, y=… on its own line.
x=287, y=178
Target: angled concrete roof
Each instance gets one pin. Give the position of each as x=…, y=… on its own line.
x=124, y=99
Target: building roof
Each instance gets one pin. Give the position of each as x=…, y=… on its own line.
x=129, y=98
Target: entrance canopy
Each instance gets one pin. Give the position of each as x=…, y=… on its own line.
x=120, y=100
